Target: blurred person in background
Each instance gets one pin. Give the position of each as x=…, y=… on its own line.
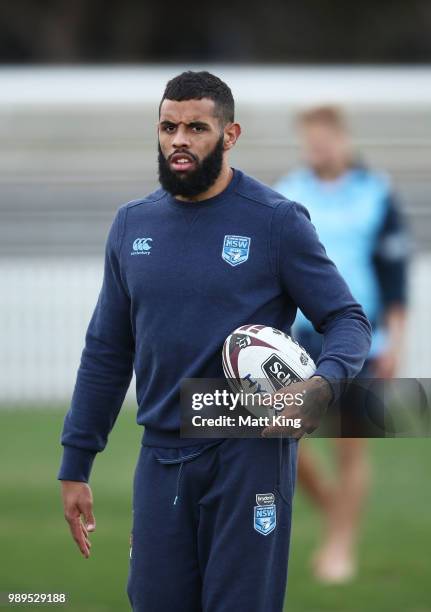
x=358, y=220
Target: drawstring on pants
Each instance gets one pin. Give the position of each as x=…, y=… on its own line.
x=177, y=492
x=174, y=459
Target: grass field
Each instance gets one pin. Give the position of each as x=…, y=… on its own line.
x=37, y=554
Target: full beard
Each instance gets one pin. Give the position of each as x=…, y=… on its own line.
x=199, y=180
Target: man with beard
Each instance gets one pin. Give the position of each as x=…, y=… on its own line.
x=172, y=292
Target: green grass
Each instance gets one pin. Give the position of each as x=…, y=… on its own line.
x=38, y=555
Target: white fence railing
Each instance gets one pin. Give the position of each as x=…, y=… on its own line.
x=45, y=306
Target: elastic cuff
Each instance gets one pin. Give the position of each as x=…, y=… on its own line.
x=76, y=464
x=334, y=386
x=333, y=373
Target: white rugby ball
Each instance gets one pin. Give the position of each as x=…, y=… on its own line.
x=258, y=358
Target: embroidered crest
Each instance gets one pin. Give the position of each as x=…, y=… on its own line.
x=265, y=513
x=235, y=249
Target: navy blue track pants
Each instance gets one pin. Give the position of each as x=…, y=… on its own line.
x=211, y=528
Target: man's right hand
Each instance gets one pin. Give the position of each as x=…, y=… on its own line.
x=77, y=502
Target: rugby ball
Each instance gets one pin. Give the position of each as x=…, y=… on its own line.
x=257, y=358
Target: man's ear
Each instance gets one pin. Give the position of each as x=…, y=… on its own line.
x=232, y=132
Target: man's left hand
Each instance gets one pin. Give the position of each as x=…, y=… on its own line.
x=315, y=394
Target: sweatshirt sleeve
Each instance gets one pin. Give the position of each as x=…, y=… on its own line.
x=317, y=288
x=105, y=369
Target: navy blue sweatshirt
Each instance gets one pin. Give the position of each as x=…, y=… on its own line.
x=174, y=289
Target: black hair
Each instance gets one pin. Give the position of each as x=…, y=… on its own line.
x=192, y=85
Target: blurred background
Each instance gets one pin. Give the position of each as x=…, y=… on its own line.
x=79, y=90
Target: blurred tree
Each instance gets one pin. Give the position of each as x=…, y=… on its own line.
x=319, y=31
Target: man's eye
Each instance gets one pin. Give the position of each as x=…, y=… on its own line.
x=198, y=128
x=169, y=128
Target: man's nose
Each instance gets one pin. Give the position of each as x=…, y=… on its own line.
x=181, y=137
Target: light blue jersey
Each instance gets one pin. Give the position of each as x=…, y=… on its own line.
x=351, y=216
